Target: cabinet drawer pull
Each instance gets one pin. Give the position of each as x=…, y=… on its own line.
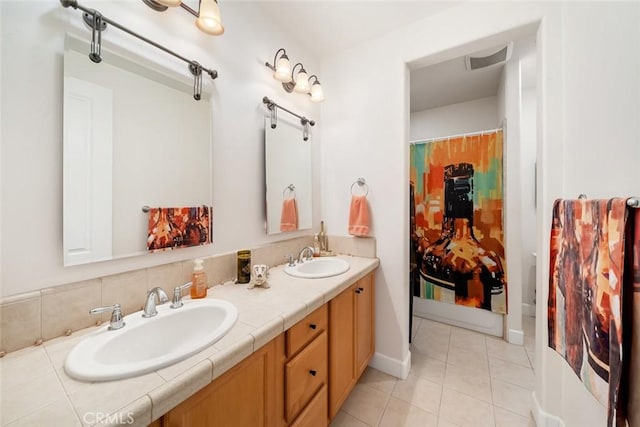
x=313, y=326
x=313, y=372
x=361, y=289
x=358, y=291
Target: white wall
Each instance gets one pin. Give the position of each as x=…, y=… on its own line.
x=32, y=37
x=359, y=126
x=365, y=135
x=601, y=151
x=465, y=117
x=528, y=198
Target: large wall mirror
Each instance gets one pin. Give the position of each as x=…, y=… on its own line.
x=133, y=137
x=288, y=175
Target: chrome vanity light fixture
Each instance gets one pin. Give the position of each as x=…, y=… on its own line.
x=291, y=81
x=207, y=16
x=98, y=23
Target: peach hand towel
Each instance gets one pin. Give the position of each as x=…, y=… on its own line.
x=359, y=216
x=289, y=215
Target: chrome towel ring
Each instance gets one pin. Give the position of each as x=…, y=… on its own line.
x=291, y=188
x=361, y=182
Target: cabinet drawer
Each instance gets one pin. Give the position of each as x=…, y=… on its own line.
x=305, y=330
x=305, y=374
x=315, y=414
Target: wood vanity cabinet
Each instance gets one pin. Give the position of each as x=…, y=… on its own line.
x=243, y=396
x=299, y=379
x=351, y=339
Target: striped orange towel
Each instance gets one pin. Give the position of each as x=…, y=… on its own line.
x=289, y=215
x=359, y=216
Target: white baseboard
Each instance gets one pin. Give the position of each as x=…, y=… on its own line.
x=397, y=368
x=542, y=418
x=528, y=310
x=515, y=336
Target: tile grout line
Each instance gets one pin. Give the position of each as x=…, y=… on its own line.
x=493, y=406
x=386, y=406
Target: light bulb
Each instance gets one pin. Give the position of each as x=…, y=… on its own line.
x=302, y=82
x=316, y=92
x=283, y=69
x=209, y=18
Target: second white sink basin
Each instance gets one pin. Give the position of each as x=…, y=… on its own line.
x=146, y=344
x=318, y=268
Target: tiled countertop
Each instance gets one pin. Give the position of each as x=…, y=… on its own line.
x=36, y=391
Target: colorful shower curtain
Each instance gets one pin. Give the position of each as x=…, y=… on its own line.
x=590, y=315
x=456, y=225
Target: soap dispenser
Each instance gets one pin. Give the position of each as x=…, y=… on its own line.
x=198, y=280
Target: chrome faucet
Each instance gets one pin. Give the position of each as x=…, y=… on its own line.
x=116, y=315
x=177, y=295
x=150, y=305
x=309, y=251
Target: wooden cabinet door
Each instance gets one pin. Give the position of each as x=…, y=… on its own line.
x=342, y=374
x=242, y=397
x=315, y=414
x=365, y=321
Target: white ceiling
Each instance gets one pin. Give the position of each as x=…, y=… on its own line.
x=450, y=82
x=328, y=26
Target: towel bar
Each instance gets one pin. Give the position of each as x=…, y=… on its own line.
x=632, y=202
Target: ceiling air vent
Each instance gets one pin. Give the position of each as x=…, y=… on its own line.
x=477, y=61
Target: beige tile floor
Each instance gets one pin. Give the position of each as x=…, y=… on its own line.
x=458, y=378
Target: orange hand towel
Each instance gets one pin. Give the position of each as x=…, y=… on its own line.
x=359, y=216
x=289, y=215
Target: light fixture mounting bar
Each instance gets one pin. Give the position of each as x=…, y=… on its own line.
x=273, y=107
x=74, y=4
x=270, y=104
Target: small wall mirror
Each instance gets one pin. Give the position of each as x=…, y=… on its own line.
x=288, y=175
x=133, y=136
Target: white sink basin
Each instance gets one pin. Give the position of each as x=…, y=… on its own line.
x=146, y=344
x=318, y=268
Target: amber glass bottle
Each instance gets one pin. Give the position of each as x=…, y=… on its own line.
x=457, y=261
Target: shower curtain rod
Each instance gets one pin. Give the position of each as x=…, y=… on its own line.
x=442, y=138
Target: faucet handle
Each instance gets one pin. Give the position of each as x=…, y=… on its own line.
x=116, y=315
x=177, y=295
x=162, y=295
x=291, y=260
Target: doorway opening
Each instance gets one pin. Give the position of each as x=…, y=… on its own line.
x=451, y=98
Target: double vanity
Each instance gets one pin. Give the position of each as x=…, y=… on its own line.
x=286, y=355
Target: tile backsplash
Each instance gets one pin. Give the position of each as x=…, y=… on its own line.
x=29, y=318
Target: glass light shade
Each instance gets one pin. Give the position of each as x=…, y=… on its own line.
x=316, y=93
x=302, y=82
x=209, y=19
x=169, y=3
x=283, y=70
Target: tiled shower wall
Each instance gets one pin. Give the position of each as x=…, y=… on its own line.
x=29, y=318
